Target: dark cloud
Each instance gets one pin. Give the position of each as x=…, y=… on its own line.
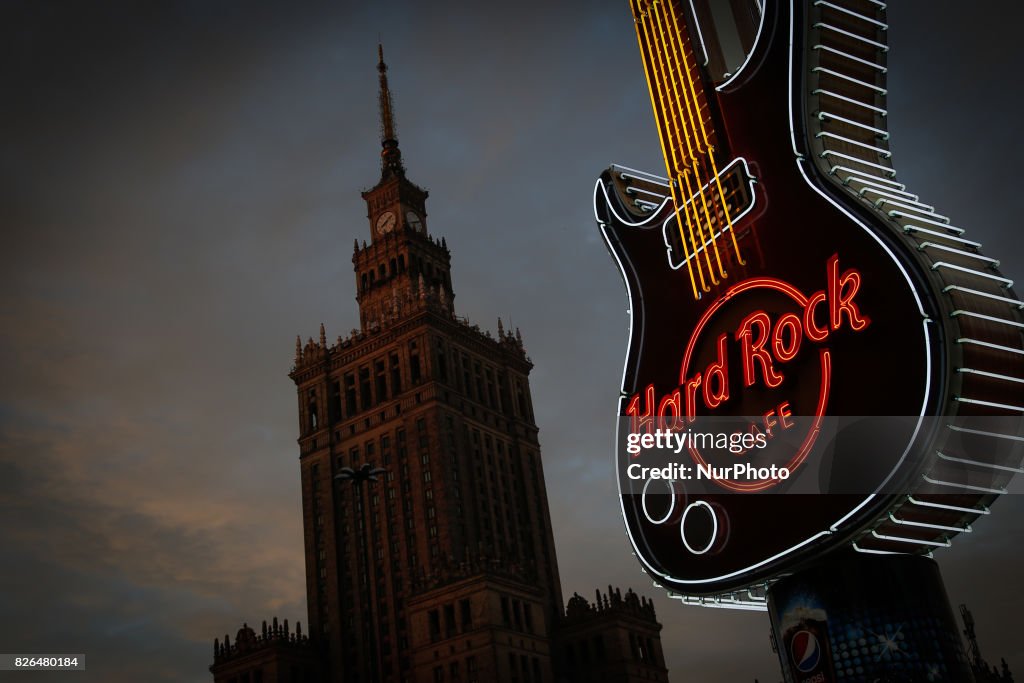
x=179, y=196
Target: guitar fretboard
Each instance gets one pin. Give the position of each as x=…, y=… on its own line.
x=688, y=140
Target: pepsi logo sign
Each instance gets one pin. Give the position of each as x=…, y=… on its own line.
x=805, y=651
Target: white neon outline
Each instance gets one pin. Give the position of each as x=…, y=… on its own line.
x=1006, y=300
x=865, y=62
x=906, y=206
x=850, y=79
x=700, y=34
x=867, y=179
x=978, y=463
x=751, y=181
x=992, y=318
x=753, y=48
x=996, y=435
x=896, y=199
x=671, y=508
x=826, y=116
x=1004, y=281
x=823, y=3
x=955, y=508
x=854, y=160
x=989, y=404
x=910, y=229
x=884, y=153
x=722, y=604
x=714, y=527
x=925, y=525
x=820, y=25
x=899, y=214
x=960, y=485
x=918, y=541
x=624, y=221
x=870, y=551
x=993, y=375
x=993, y=262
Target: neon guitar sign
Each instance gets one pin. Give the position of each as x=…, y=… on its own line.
x=780, y=276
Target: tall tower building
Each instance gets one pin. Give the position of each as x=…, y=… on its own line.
x=428, y=543
x=453, y=541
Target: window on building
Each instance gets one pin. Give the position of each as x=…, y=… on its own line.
x=506, y=615
x=467, y=614
x=449, y=620
x=334, y=405
x=382, y=380
x=350, y=394
x=396, y=374
x=442, y=363
x=311, y=410
x=414, y=363
x=365, y=396
x=434, y=618
x=492, y=399
x=528, y=617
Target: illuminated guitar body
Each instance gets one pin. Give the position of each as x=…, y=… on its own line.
x=783, y=280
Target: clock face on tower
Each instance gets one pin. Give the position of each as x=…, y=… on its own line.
x=386, y=222
x=414, y=222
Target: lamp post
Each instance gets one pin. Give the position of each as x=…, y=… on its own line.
x=356, y=477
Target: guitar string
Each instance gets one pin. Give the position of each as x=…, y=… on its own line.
x=662, y=127
x=693, y=110
x=711, y=157
x=683, y=165
x=670, y=146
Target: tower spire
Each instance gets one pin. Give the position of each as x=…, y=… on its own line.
x=390, y=155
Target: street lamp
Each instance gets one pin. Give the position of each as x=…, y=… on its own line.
x=355, y=477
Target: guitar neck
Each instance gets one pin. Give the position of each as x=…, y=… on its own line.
x=687, y=135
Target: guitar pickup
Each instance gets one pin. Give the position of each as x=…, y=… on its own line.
x=704, y=211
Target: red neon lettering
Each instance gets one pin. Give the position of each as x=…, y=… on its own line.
x=840, y=298
x=769, y=422
x=785, y=412
x=782, y=352
x=811, y=329
x=643, y=419
x=669, y=419
x=691, y=397
x=752, y=350
x=717, y=370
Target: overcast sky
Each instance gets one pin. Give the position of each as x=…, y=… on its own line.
x=179, y=193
